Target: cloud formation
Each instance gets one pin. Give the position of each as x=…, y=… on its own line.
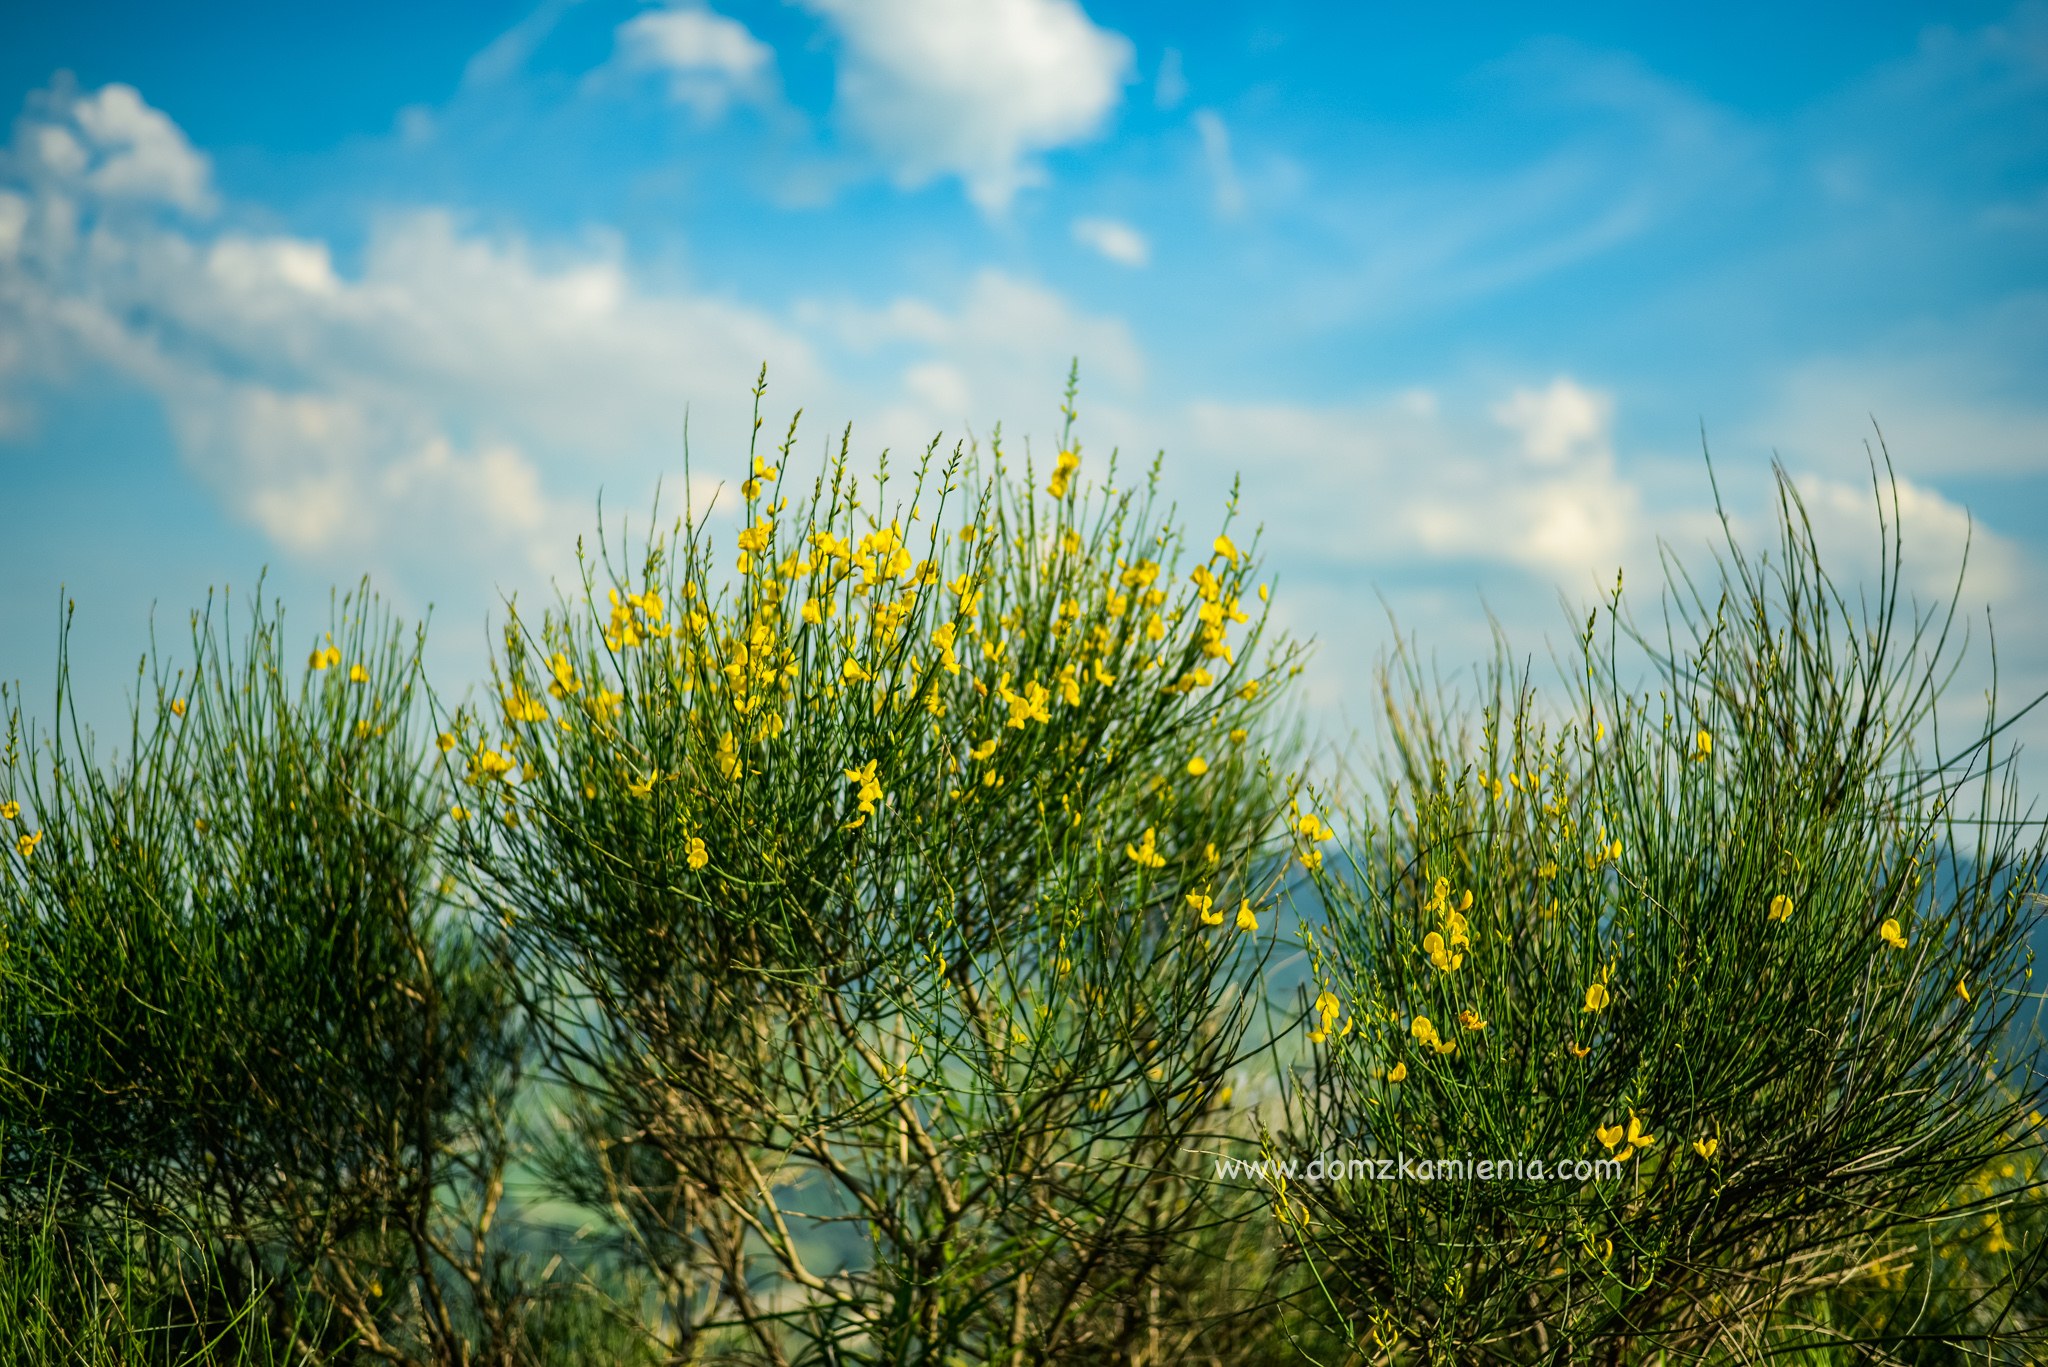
x=977, y=89
x=711, y=62
x=1114, y=240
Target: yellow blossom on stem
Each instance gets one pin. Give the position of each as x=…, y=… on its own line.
x=357, y=674
x=177, y=707
x=1440, y=954
x=1063, y=469
x=1707, y=1147
x=1890, y=933
x=1703, y=746
x=868, y=791
x=1197, y=766
x=1471, y=1020
x=25, y=845
x=9, y=810
x=1226, y=548
x=1398, y=1073
x=1247, y=919
x=699, y=856
x=1145, y=854
x=1781, y=908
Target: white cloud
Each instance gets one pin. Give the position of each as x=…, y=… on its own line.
x=1558, y=422
x=1226, y=190
x=974, y=88
x=1117, y=241
x=712, y=62
x=111, y=145
x=426, y=407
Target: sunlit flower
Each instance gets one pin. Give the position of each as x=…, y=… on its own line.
x=852, y=672
x=521, y=705
x=9, y=810
x=699, y=856
x=1197, y=766
x=323, y=659
x=1398, y=1073
x=1425, y=1032
x=1707, y=1147
x=1063, y=470
x=1238, y=735
x=25, y=845
x=982, y=751
x=1609, y=1135
x=1226, y=548
x=1579, y=1050
x=177, y=707
x=1781, y=908
x=641, y=787
x=459, y=812
x=357, y=674
x=1703, y=746
x=1471, y=1020
x=1327, y=1009
x=1597, y=997
x=868, y=791
x=1145, y=854
x=1247, y=919
x=446, y=740
x=1962, y=989
x=1890, y=933
x=1445, y=959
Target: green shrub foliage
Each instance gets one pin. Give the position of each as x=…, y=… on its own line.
x=890, y=921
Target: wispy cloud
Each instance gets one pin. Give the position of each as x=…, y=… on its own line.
x=1113, y=239
x=976, y=90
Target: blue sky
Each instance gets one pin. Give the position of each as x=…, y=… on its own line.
x=400, y=290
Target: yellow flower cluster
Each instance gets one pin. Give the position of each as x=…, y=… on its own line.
x=1425, y=1033
x=1145, y=854
x=868, y=792
x=1443, y=945
x=1630, y=1139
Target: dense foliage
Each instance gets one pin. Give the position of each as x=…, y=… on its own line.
x=909, y=934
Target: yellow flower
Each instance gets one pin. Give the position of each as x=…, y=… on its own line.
x=1962, y=989
x=1145, y=854
x=1247, y=919
x=1446, y=960
x=323, y=659
x=983, y=750
x=1609, y=1135
x=852, y=672
x=1327, y=1009
x=641, y=787
x=728, y=757
x=1704, y=746
x=177, y=707
x=1225, y=548
x=521, y=705
x=26, y=845
x=9, y=810
x=565, y=681
x=1238, y=735
x=1597, y=998
x=1705, y=1148
x=1249, y=691
x=868, y=791
x=755, y=538
x=698, y=856
x=357, y=674
x=446, y=740
x=1197, y=766
x=1781, y=908
x=1063, y=473
x=1890, y=933
x=1425, y=1032
x=1637, y=1137
x=1205, y=904
x=1471, y=1020
x=1398, y=1073
x=1312, y=861
x=459, y=812
x=1579, y=1050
